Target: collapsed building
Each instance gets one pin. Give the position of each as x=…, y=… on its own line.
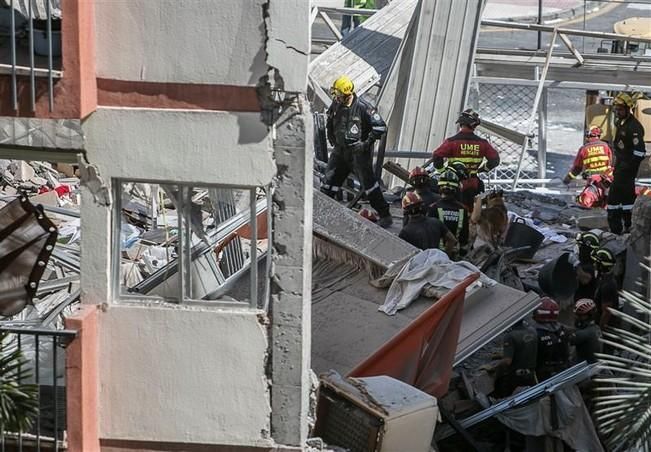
x=198, y=274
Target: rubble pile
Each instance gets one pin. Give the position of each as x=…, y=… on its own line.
x=217, y=223
x=55, y=187
x=220, y=239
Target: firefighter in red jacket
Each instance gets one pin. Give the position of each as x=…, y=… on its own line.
x=594, y=157
x=474, y=152
x=594, y=163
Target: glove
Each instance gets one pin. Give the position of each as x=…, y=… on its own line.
x=362, y=146
x=567, y=179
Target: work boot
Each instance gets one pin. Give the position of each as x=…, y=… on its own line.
x=385, y=221
x=628, y=217
x=615, y=221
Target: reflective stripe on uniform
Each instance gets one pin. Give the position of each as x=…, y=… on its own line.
x=460, y=224
x=467, y=159
x=441, y=214
x=375, y=185
x=639, y=154
x=598, y=170
x=613, y=206
x=627, y=206
x=599, y=158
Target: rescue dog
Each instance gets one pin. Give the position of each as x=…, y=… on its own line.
x=490, y=217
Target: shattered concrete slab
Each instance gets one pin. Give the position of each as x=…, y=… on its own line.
x=347, y=326
x=345, y=228
x=487, y=313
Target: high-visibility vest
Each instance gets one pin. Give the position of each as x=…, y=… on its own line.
x=441, y=214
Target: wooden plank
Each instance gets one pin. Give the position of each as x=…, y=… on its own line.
x=397, y=170
x=366, y=54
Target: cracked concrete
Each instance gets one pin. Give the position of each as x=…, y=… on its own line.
x=291, y=288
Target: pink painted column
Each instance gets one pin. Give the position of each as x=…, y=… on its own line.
x=82, y=381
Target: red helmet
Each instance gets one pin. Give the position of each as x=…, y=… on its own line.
x=369, y=215
x=584, y=306
x=417, y=172
x=593, y=132
x=547, y=311
x=411, y=200
x=418, y=176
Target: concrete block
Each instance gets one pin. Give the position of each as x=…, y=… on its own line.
x=595, y=221
x=22, y=170
x=49, y=198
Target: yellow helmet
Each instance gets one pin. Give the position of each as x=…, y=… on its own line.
x=343, y=86
x=624, y=99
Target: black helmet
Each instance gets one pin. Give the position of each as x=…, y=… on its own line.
x=449, y=181
x=588, y=239
x=603, y=258
x=460, y=169
x=469, y=118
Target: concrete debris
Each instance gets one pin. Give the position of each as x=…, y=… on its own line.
x=91, y=179
x=54, y=199
x=346, y=330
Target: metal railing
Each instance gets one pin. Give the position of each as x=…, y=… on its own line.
x=44, y=352
x=34, y=11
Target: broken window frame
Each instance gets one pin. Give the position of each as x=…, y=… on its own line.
x=185, y=254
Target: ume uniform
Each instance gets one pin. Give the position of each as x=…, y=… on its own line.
x=471, y=150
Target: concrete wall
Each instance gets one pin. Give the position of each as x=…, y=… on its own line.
x=176, y=374
x=164, y=145
x=180, y=145
x=153, y=389
x=197, y=41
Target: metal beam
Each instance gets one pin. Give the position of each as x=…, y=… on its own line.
x=349, y=11
x=570, y=376
x=313, y=14
x=534, y=110
x=223, y=231
x=38, y=153
x=567, y=31
x=333, y=28
x=572, y=49
x=562, y=84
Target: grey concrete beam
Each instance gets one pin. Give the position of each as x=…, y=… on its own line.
x=291, y=279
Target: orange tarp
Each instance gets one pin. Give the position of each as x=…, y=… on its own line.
x=422, y=353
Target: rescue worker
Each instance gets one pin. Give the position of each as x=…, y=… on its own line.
x=421, y=231
x=553, y=344
x=348, y=23
x=587, y=334
x=594, y=162
x=518, y=367
x=628, y=144
x=352, y=128
x=594, y=157
x=607, y=292
x=474, y=152
x=423, y=185
x=587, y=280
x=450, y=211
